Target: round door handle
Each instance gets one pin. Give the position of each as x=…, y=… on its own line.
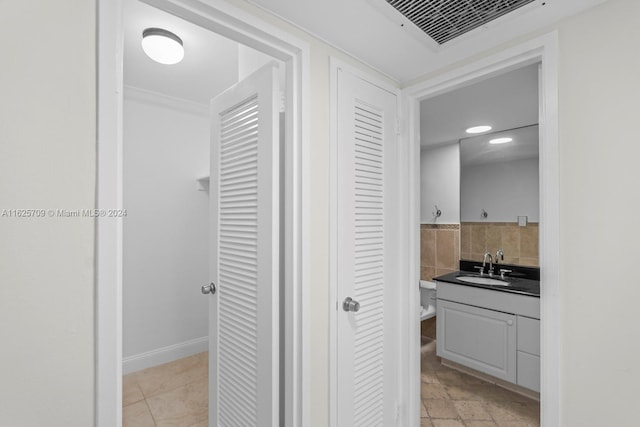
x=350, y=305
x=510, y=322
x=209, y=289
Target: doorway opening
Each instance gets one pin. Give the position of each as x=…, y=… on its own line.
x=184, y=125
x=166, y=140
x=475, y=187
x=542, y=50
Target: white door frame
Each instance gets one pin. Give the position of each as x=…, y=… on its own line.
x=334, y=65
x=232, y=22
x=545, y=50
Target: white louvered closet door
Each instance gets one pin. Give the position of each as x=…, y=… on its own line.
x=243, y=314
x=366, y=160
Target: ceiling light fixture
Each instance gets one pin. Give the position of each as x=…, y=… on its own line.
x=162, y=46
x=478, y=129
x=500, y=140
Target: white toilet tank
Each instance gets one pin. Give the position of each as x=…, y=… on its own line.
x=427, y=299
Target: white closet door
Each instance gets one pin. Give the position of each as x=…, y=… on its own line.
x=366, y=159
x=243, y=314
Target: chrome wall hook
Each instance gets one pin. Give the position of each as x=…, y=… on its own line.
x=484, y=214
x=437, y=213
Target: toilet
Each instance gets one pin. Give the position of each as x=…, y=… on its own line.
x=427, y=299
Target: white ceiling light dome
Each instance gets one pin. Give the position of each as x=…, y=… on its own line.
x=162, y=46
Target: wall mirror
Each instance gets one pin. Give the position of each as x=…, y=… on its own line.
x=499, y=196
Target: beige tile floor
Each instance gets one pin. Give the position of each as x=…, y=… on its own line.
x=170, y=395
x=176, y=395
x=453, y=399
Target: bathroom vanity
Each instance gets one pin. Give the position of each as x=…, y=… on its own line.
x=491, y=329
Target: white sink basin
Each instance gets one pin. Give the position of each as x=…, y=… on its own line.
x=482, y=280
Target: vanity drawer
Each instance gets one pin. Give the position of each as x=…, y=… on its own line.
x=529, y=371
x=529, y=335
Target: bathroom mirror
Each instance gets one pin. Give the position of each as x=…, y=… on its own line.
x=499, y=196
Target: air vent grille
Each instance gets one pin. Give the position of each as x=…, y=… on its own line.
x=444, y=20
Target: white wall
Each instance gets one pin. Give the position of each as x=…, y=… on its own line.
x=599, y=200
x=250, y=60
x=47, y=161
x=504, y=190
x=166, y=148
x=440, y=184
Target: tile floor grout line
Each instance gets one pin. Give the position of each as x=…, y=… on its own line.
x=151, y=413
x=164, y=374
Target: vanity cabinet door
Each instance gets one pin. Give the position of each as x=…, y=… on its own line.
x=481, y=339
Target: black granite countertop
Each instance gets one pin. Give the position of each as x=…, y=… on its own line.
x=518, y=283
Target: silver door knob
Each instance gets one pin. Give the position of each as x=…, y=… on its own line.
x=209, y=289
x=350, y=305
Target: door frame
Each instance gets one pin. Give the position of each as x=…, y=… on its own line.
x=336, y=64
x=542, y=49
x=234, y=23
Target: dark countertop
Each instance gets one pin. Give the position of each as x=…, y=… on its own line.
x=517, y=285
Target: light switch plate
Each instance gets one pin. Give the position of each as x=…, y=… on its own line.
x=522, y=221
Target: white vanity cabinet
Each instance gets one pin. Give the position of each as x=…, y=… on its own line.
x=494, y=332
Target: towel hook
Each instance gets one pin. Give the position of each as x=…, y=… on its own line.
x=437, y=213
x=484, y=214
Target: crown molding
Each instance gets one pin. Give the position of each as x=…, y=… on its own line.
x=135, y=93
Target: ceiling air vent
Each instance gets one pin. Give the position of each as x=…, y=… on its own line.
x=444, y=20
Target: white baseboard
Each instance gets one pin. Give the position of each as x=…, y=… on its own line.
x=164, y=355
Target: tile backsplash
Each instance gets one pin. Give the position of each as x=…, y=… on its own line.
x=519, y=244
x=439, y=249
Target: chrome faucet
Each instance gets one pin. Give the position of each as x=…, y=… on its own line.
x=484, y=263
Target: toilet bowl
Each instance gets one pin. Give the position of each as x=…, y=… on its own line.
x=427, y=299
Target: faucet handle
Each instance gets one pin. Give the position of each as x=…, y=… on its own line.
x=503, y=271
x=480, y=269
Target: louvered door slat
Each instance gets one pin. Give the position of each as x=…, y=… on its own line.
x=244, y=316
x=366, y=144
x=237, y=321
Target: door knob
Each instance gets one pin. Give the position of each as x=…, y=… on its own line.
x=209, y=289
x=350, y=305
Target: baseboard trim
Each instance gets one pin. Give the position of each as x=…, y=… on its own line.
x=164, y=355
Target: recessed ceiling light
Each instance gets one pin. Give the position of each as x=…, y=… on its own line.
x=478, y=129
x=500, y=140
x=162, y=46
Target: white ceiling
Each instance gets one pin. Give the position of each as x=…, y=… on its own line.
x=355, y=26
x=210, y=62
x=503, y=102
x=362, y=30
